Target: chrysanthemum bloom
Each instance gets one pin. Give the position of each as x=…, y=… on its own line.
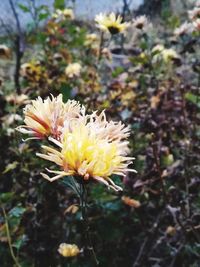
x=91, y=39
x=62, y=14
x=158, y=48
x=68, y=250
x=106, y=53
x=140, y=22
x=5, y=52
x=73, y=70
x=18, y=99
x=111, y=23
x=159, y=52
x=68, y=13
x=31, y=71
x=45, y=118
x=183, y=29
x=169, y=54
x=91, y=148
x=194, y=14
x=196, y=24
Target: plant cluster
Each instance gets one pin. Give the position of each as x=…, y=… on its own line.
x=144, y=74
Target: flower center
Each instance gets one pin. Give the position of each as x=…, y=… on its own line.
x=113, y=30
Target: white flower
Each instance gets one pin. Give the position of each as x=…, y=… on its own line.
x=111, y=23
x=73, y=70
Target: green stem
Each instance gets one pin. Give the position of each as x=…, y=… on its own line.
x=9, y=239
x=83, y=203
x=101, y=46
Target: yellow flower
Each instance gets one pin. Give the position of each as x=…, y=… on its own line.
x=111, y=23
x=91, y=39
x=90, y=147
x=62, y=14
x=160, y=52
x=73, y=70
x=169, y=54
x=31, y=71
x=158, y=48
x=171, y=230
x=68, y=250
x=68, y=13
x=46, y=118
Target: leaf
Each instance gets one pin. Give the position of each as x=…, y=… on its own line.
x=100, y=194
x=17, y=212
x=43, y=16
x=66, y=91
x=117, y=71
x=112, y=206
x=167, y=160
x=71, y=182
x=59, y=4
x=24, y=8
x=193, y=98
x=6, y=197
x=19, y=242
x=10, y=167
x=42, y=7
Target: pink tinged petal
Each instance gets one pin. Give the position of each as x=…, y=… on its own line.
x=103, y=181
x=116, y=186
x=50, y=157
x=45, y=176
x=56, y=142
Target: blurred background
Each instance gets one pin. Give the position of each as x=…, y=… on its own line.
x=149, y=78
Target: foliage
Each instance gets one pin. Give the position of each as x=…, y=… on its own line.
x=156, y=92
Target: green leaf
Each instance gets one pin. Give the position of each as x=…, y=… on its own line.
x=6, y=197
x=43, y=16
x=19, y=242
x=193, y=98
x=117, y=71
x=100, y=194
x=71, y=182
x=167, y=160
x=42, y=7
x=10, y=167
x=59, y=4
x=24, y=8
x=66, y=91
x=17, y=211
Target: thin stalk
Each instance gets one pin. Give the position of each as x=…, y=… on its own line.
x=9, y=239
x=101, y=46
x=83, y=203
x=157, y=162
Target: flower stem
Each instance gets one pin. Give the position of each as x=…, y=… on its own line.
x=9, y=239
x=83, y=203
x=101, y=46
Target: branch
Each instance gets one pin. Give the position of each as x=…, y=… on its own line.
x=16, y=17
x=19, y=47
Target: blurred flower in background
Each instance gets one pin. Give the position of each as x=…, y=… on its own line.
x=111, y=23
x=68, y=250
x=73, y=70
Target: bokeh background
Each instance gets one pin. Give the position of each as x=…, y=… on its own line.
x=149, y=78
